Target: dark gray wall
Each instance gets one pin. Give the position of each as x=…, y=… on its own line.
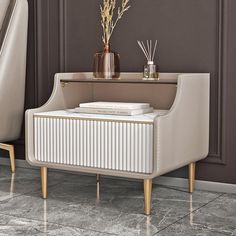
x=193, y=36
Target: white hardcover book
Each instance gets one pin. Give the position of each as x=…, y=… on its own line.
x=115, y=105
x=107, y=111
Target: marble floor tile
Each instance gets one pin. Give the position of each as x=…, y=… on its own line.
x=119, y=209
x=216, y=218
x=73, y=208
x=76, y=215
x=219, y=214
x=12, y=226
x=13, y=187
x=24, y=181
x=185, y=227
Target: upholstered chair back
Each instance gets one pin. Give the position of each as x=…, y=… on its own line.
x=13, y=45
x=3, y=9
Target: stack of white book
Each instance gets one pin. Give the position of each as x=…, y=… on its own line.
x=114, y=108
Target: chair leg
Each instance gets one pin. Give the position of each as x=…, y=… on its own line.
x=191, y=176
x=147, y=196
x=10, y=149
x=12, y=159
x=44, y=181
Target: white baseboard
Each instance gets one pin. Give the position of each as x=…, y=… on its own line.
x=162, y=180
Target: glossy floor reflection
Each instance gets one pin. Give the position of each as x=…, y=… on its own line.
x=75, y=206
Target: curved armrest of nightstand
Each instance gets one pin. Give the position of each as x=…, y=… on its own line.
x=62, y=97
x=182, y=135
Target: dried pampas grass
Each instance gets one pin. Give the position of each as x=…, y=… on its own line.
x=107, y=15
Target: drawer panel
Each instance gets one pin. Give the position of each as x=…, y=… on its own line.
x=121, y=146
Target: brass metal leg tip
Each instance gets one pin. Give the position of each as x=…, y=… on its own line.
x=147, y=212
x=13, y=170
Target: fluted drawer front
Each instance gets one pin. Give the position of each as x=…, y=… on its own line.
x=111, y=145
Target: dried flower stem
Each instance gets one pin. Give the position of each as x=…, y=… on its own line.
x=107, y=14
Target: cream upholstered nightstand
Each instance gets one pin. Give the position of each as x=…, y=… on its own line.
x=138, y=147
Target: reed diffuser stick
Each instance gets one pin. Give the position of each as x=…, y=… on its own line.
x=145, y=49
x=140, y=45
x=148, y=50
x=154, y=51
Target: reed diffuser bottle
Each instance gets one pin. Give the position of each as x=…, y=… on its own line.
x=150, y=71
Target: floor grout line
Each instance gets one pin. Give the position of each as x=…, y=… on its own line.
x=181, y=218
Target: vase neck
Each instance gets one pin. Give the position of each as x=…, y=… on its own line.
x=107, y=48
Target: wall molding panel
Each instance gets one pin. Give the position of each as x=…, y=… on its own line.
x=59, y=41
x=218, y=156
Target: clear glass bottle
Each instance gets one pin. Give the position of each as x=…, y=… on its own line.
x=150, y=71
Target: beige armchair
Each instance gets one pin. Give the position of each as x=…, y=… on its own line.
x=13, y=45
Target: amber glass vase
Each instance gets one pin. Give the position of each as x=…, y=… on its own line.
x=106, y=64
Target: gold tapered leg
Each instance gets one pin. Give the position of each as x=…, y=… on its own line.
x=147, y=196
x=191, y=176
x=12, y=159
x=10, y=149
x=44, y=180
